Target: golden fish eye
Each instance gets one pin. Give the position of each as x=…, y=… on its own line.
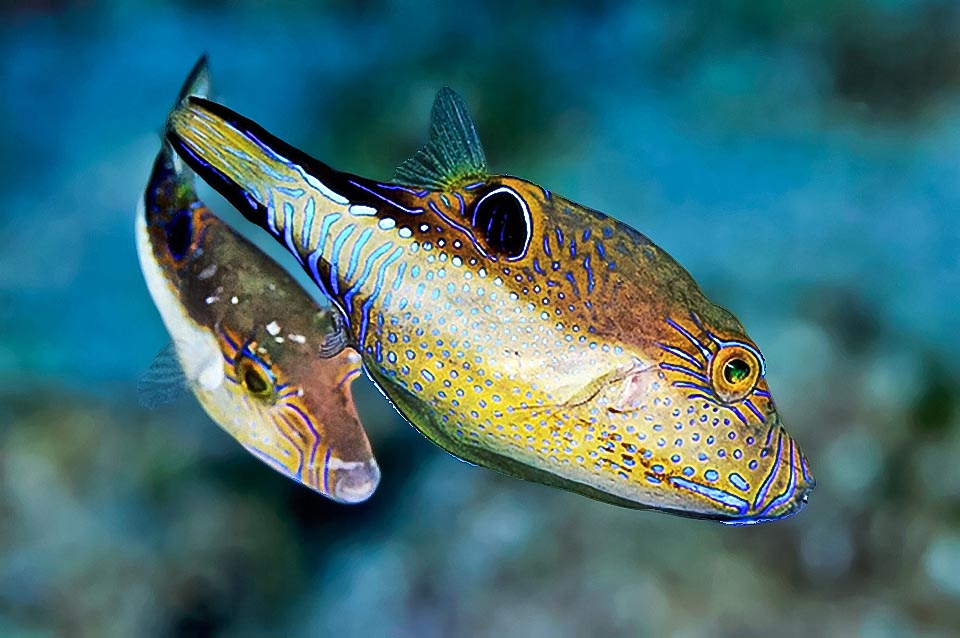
x=254, y=379
x=734, y=372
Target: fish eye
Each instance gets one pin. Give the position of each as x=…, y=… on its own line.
x=502, y=218
x=734, y=371
x=254, y=379
x=178, y=232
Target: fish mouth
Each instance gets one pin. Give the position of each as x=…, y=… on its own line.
x=355, y=482
x=786, y=489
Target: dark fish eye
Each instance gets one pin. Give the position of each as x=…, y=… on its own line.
x=501, y=217
x=735, y=371
x=178, y=232
x=253, y=379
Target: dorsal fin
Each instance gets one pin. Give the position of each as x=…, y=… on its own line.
x=452, y=155
x=197, y=83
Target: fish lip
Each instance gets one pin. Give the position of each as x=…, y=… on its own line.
x=356, y=482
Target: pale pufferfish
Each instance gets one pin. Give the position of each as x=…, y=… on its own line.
x=515, y=328
x=267, y=363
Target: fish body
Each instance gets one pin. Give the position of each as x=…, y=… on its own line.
x=266, y=362
x=517, y=329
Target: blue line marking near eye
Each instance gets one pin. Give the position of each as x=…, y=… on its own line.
x=586, y=235
x=713, y=493
x=589, y=269
x=355, y=254
x=693, y=340
x=367, y=266
x=559, y=237
x=536, y=266
x=335, y=256
x=463, y=229
x=309, y=210
x=573, y=248
x=230, y=342
x=687, y=371
x=762, y=493
x=738, y=413
x=688, y=384
x=470, y=187
x=754, y=409
x=680, y=353
x=546, y=245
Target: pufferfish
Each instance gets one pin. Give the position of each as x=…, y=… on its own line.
x=515, y=328
x=266, y=362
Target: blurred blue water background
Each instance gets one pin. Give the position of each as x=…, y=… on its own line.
x=800, y=159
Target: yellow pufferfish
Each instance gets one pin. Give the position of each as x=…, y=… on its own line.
x=268, y=364
x=515, y=328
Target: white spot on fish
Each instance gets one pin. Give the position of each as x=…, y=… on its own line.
x=405, y=232
x=273, y=328
x=359, y=210
x=212, y=299
x=208, y=272
x=387, y=223
x=297, y=338
x=278, y=339
x=234, y=301
x=336, y=198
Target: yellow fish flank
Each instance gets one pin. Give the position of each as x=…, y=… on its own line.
x=517, y=329
x=264, y=360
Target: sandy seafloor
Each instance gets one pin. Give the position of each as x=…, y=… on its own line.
x=801, y=160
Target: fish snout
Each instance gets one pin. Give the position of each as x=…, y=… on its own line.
x=789, y=483
x=355, y=481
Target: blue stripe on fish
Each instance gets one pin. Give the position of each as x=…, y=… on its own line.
x=367, y=266
x=338, y=243
x=309, y=210
x=377, y=286
x=713, y=493
x=355, y=254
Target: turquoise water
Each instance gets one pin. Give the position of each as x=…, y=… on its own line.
x=800, y=162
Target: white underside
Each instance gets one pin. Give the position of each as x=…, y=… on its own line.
x=197, y=348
